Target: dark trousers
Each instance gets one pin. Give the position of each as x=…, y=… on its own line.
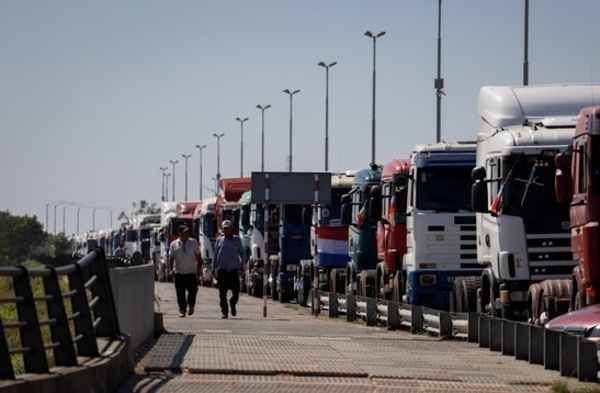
x=183, y=283
x=228, y=281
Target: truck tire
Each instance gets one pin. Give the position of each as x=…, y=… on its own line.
x=304, y=288
x=368, y=283
x=350, y=281
x=274, y=290
x=399, y=287
x=465, y=294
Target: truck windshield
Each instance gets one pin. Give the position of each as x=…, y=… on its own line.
x=444, y=189
x=293, y=214
x=529, y=192
x=209, y=225
x=144, y=234
x=131, y=236
x=330, y=214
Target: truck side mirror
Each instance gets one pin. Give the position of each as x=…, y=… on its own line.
x=479, y=196
x=375, y=209
x=346, y=214
x=401, y=197
x=478, y=173
x=563, y=179
x=307, y=215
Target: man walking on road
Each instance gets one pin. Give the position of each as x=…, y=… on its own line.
x=229, y=258
x=185, y=264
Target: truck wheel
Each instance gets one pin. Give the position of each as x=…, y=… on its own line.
x=350, y=281
x=285, y=297
x=274, y=289
x=398, y=290
x=303, y=284
x=368, y=280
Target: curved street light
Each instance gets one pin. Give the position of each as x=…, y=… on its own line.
x=173, y=162
x=291, y=94
x=241, y=144
x=200, y=187
x=218, y=155
x=262, y=151
x=47, y=205
x=374, y=36
x=186, y=174
x=327, y=66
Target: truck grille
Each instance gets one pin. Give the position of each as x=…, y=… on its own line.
x=550, y=256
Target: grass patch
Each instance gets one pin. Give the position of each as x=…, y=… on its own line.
x=9, y=313
x=563, y=387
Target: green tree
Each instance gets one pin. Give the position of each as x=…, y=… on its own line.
x=60, y=245
x=145, y=208
x=21, y=237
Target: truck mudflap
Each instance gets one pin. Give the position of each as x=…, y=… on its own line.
x=433, y=289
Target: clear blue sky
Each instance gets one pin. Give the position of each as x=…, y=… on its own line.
x=96, y=96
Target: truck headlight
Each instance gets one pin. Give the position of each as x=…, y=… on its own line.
x=427, y=279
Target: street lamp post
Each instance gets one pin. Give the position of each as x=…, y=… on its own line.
x=218, y=157
x=216, y=185
x=241, y=144
x=262, y=153
x=186, y=174
x=94, y=215
x=64, y=214
x=162, y=189
x=47, y=205
x=374, y=36
x=322, y=64
x=200, y=187
x=291, y=94
x=167, y=187
x=55, y=206
x=173, y=190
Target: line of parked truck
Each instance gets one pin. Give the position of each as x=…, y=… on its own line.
x=506, y=225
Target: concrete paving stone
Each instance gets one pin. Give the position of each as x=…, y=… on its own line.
x=292, y=351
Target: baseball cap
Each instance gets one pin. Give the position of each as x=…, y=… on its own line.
x=183, y=228
x=226, y=224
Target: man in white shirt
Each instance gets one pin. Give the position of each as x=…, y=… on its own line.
x=185, y=264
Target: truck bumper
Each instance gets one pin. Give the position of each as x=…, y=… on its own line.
x=431, y=288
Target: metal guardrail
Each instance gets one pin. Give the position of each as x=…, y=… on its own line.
x=92, y=314
x=572, y=356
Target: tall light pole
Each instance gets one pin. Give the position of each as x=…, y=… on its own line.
x=241, y=144
x=322, y=64
x=162, y=189
x=64, y=214
x=216, y=185
x=218, y=157
x=78, y=209
x=94, y=215
x=48, y=204
x=55, y=206
x=167, y=186
x=439, y=82
x=374, y=36
x=200, y=187
x=173, y=190
x=526, y=57
x=262, y=151
x=291, y=94
x=186, y=174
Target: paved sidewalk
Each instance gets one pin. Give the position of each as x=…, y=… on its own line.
x=292, y=351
